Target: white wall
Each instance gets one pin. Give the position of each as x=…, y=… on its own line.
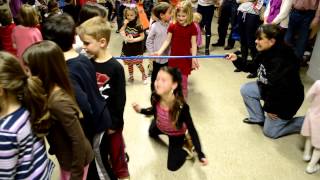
x=314, y=65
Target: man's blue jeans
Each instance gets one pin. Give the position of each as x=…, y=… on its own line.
x=272, y=128
x=297, y=34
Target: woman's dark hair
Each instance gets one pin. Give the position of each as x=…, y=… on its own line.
x=271, y=31
x=160, y=8
x=179, y=98
x=90, y=10
x=28, y=90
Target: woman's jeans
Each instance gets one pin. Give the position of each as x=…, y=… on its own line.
x=272, y=128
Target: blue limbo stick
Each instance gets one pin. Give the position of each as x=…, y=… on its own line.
x=167, y=57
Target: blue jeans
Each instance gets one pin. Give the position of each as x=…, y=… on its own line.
x=272, y=128
x=298, y=30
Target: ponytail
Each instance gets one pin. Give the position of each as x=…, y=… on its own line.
x=35, y=100
x=27, y=90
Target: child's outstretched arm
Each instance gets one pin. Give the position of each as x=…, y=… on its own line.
x=151, y=39
x=194, y=134
x=165, y=45
x=145, y=111
x=195, y=63
x=136, y=107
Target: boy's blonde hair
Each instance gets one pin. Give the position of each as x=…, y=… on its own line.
x=28, y=16
x=185, y=7
x=197, y=17
x=97, y=27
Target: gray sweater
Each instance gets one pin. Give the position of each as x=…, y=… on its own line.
x=157, y=35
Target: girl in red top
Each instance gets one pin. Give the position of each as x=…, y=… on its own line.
x=6, y=31
x=182, y=35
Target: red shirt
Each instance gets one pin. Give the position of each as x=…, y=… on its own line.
x=5, y=38
x=181, y=46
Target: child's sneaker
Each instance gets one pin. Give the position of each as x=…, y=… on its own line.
x=306, y=157
x=189, y=152
x=314, y=169
x=130, y=79
x=188, y=146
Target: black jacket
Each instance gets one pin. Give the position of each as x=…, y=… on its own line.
x=279, y=81
x=184, y=117
x=112, y=86
x=94, y=108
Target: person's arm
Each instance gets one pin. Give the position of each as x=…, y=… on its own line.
x=81, y=97
x=82, y=100
x=186, y=116
x=150, y=39
x=165, y=44
x=195, y=63
x=146, y=111
x=137, y=39
x=285, y=9
x=239, y=63
x=117, y=97
x=315, y=24
x=66, y=114
x=123, y=28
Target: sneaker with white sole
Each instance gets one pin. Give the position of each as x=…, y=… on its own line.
x=306, y=157
x=190, y=153
x=131, y=79
x=314, y=169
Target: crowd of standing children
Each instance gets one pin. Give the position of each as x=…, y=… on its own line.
x=74, y=93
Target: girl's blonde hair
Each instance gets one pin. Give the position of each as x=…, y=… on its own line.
x=27, y=90
x=185, y=7
x=197, y=17
x=135, y=10
x=28, y=16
